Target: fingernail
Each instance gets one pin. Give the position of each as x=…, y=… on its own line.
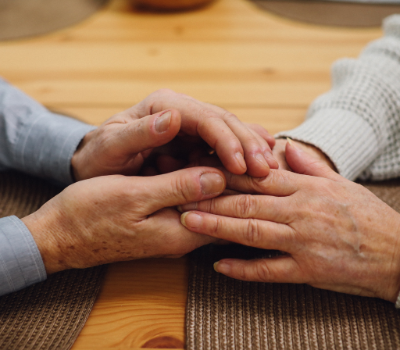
x=163, y=121
x=222, y=267
x=260, y=158
x=240, y=159
x=187, y=207
x=191, y=220
x=211, y=183
x=271, y=160
x=291, y=143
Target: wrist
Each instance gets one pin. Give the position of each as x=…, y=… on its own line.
x=44, y=230
x=77, y=160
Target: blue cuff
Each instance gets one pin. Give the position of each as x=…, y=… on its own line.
x=46, y=146
x=34, y=140
x=20, y=261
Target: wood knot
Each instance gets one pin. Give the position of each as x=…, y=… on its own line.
x=163, y=343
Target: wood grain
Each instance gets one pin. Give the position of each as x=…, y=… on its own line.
x=141, y=301
x=263, y=68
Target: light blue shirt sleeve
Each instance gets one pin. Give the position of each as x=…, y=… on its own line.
x=20, y=262
x=41, y=143
x=34, y=140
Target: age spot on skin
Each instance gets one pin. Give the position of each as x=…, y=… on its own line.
x=71, y=247
x=95, y=250
x=104, y=248
x=363, y=247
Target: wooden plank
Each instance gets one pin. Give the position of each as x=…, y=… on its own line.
x=230, y=52
x=141, y=304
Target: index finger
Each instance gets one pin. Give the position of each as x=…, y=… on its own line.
x=251, y=232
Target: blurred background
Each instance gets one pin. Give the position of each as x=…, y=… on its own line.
x=228, y=52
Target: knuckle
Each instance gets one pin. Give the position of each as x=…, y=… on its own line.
x=138, y=129
x=275, y=179
x=208, y=206
x=260, y=184
x=258, y=272
x=252, y=233
x=257, y=128
x=228, y=116
x=263, y=273
x=261, y=131
x=245, y=206
x=181, y=188
x=206, y=115
x=215, y=226
x=211, y=206
x=243, y=274
x=163, y=92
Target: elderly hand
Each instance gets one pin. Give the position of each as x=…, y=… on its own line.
x=115, y=218
x=337, y=234
x=121, y=144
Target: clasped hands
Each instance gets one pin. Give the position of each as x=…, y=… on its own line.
x=336, y=234
x=112, y=214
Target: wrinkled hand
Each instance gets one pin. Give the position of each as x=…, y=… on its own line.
x=115, y=218
x=337, y=234
x=122, y=143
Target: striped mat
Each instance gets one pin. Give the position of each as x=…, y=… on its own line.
x=48, y=315
x=226, y=314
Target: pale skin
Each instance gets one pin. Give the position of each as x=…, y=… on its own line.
x=337, y=234
x=108, y=218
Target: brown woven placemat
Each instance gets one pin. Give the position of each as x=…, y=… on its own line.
x=227, y=314
x=25, y=18
x=331, y=13
x=48, y=315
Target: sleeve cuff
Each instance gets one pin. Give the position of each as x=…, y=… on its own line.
x=20, y=261
x=46, y=146
x=347, y=139
x=34, y=140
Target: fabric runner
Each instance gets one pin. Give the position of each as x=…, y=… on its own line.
x=48, y=315
x=227, y=314
x=26, y=18
x=342, y=13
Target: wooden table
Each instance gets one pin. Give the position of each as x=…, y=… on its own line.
x=264, y=68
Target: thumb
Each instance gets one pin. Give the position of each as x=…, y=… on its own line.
x=302, y=162
x=179, y=187
x=139, y=135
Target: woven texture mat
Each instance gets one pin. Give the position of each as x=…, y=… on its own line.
x=24, y=18
x=331, y=13
x=48, y=315
x=226, y=314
